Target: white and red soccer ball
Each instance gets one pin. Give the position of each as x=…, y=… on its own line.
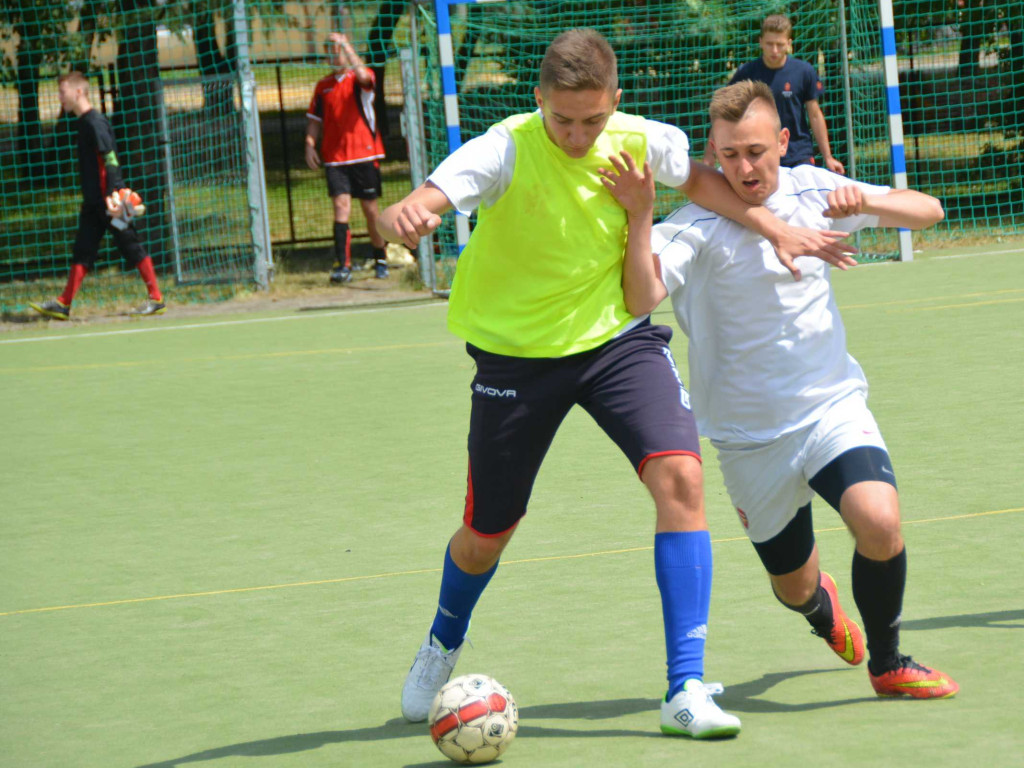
x=473, y=719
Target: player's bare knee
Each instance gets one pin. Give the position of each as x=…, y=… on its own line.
x=475, y=553
x=342, y=209
x=880, y=542
x=676, y=480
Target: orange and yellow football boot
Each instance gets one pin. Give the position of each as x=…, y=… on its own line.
x=913, y=679
x=845, y=639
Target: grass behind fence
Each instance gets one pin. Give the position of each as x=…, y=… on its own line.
x=221, y=547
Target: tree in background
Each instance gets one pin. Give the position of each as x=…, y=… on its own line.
x=40, y=28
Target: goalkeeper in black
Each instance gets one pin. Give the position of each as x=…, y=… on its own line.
x=102, y=207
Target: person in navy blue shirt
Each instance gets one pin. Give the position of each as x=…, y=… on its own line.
x=797, y=88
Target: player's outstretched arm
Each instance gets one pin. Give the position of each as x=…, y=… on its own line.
x=905, y=208
x=415, y=216
x=352, y=60
x=633, y=188
x=709, y=188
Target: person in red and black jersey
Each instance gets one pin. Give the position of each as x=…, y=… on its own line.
x=342, y=121
x=100, y=177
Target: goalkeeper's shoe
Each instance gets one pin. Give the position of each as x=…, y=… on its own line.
x=341, y=275
x=844, y=637
x=151, y=307
x=430, y=670
x=52, y=308
x=381, y=270
x=692, y=712
x=908, y=678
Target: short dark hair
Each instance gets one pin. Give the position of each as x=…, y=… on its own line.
x=579, y=60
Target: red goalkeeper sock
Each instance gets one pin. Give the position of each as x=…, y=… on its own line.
x=149, y=278
x=75, y=278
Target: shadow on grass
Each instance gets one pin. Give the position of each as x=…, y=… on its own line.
x=740, y=697
x=994, y=620
x=737, y=697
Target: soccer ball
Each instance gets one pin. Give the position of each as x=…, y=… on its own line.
x=473, y=719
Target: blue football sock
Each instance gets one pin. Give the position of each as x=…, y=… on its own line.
x=459, y=593
x=682, y=565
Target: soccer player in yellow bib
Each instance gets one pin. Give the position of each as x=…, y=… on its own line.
x=537, y=296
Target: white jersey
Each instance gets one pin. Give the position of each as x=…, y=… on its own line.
x=767, y=353
x=481, y=169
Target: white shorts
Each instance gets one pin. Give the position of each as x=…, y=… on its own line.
x=768, y=482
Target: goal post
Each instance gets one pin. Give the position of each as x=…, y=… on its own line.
x=259, y=222
x=892, y=98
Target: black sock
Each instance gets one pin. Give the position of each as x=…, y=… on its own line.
x=380, y=256
x=342, y=250
x=878, y=591
x=817, y=610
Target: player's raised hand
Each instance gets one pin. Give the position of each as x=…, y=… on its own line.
x=632, y=187
x=844, y=201
x=827, y=245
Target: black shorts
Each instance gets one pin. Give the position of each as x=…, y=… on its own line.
x=361, y=180
x=629, y=385
x=93, y=222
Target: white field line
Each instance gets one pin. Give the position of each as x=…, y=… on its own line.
x=979, y=253
x=219, y=323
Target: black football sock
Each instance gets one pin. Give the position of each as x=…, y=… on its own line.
x=817, y=610
x=380, y=256
x=878, y=591
x=342, y=246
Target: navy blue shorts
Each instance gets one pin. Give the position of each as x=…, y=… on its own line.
x=629, y=385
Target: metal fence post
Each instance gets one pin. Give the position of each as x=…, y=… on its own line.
x=259, y=215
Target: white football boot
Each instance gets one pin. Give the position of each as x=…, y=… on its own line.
x=692, y=712
x=430, y=670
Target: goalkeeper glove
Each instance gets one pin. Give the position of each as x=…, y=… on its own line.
x=123, y=206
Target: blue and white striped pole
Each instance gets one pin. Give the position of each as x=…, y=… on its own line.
x=892, y=97
x=451, y=98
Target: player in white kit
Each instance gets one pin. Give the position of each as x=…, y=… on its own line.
x=772, y=384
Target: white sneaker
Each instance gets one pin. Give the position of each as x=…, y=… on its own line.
x=429, y=671
x=692, y=712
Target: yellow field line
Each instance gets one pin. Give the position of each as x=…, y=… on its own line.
x=958, y=306
x=901, y=302
x=164, y=362
x=394, y=574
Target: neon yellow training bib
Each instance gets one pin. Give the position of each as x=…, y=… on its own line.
x=541, y=275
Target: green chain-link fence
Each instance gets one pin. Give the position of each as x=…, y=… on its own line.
x=171, y=77
x=175, y=81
